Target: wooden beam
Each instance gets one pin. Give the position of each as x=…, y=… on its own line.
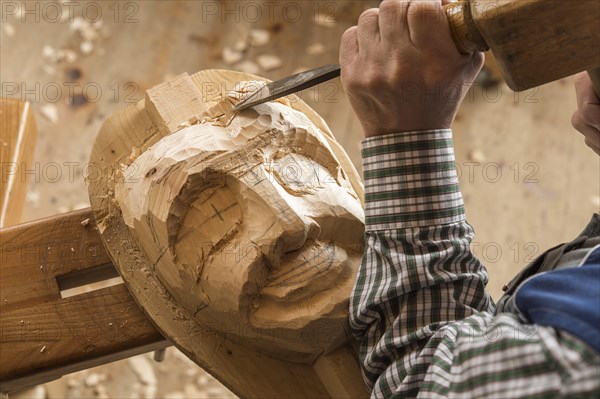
x=43, y=335
x=18, y=134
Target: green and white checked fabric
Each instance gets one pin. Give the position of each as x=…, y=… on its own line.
x=419, y=306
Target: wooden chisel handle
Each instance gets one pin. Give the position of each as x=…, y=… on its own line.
x=528, y=53
x=466, y=36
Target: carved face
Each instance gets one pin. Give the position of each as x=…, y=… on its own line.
x=253, y=225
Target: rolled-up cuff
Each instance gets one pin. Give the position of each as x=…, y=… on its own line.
x=411, y=180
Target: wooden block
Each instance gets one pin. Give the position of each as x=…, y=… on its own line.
x=171, y=103
x=18, y=134
x=44, y=336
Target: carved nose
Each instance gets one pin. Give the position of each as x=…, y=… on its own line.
x=297, y=228
x=291, y=229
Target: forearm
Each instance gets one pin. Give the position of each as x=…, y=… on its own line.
x=418, y=272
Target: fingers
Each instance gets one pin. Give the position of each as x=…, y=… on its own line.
x=593, y=146
x=592, y=134
x=349, y=46
x=588, y=102
x=423, y=16
x=368, y=29
x=392, y=14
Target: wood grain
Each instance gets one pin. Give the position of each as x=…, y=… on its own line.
x=246, y=370
x=44, y=336
x=540, y=41
x=18, y=134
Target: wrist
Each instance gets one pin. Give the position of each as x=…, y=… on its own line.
x=404, y=128
x=396, y=121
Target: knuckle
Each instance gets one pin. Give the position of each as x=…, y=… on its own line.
x=590, y=113
x=574, y=119
x=373, y=80
x=368, y=16
x=348, y=80
x=361, y=80
x=348, y=47
x=423, y=9
x=350, y=33
x=389, y=7
x=577, y=122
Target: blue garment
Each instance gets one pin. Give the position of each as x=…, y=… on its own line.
x=567, y=299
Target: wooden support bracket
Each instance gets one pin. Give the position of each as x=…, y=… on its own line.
x=44, y=332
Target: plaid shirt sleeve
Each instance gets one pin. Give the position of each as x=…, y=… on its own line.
x=419, y=306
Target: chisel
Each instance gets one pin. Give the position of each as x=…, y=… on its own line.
x=534, y=41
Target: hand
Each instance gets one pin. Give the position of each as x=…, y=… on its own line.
x=401, y=68
x=587, y=117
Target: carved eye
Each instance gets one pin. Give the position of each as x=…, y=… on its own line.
x=210, y=222
x=299, y=175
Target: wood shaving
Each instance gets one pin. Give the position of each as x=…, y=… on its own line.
x=240, y=45
x=191, y=391
x=142, y=367
x=135, y=153
x=231, y=56
x=57, y=56
x=100, y=392
x=259, y=37
x=67, y=55
x=33, y=196
x=194, y=120
x=476, y=156
x=269, y=62
x=149, y=392
x=86, y=47
x=315, y=49
x=43, y=349
x=248, y=67
x=37, y=392
x=85, y=222
x=94, y=379
x=48, y=52
x=50, y=112
x=87, y=30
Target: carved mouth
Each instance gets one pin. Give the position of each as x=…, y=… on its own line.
x=313, y=260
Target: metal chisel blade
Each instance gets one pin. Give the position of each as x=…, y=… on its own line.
x=289, y=85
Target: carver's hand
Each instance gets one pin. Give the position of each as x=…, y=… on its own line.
x=401, y=69
x=587, y=117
